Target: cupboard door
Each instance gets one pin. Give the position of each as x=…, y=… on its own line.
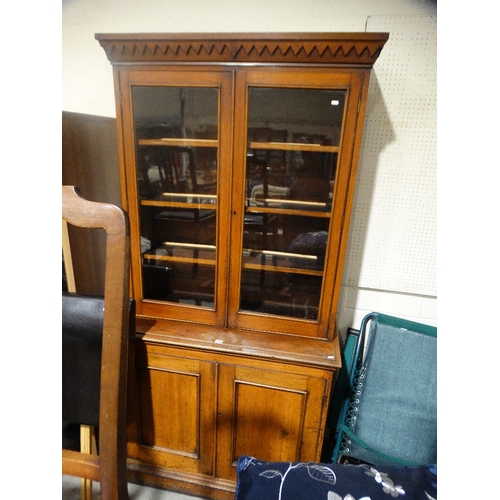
x=176, y=127
x=273, y=415
x=293, y=151
x=175, y=414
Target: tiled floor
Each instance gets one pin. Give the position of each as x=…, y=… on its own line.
x=71, y=491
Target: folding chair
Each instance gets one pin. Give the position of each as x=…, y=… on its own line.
x=106, y=319
x=390, y=414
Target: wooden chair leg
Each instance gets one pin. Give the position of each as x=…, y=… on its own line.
x=87, y=435
x=87, y=445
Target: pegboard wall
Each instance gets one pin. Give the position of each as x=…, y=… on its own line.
x=393, y=241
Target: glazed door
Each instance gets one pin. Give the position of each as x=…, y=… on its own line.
x=177, y=135
x=292, y=165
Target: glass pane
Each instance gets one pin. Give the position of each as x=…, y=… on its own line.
x=292, y=151
x=177, y=151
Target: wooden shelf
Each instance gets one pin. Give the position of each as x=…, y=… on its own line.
x=180, y=142
x=262, y=209
x=294, y=146
x=181, y=204
x=285, y=265
x=193, y=246
x=183, y=253
x=282, y=269
x=184, y=260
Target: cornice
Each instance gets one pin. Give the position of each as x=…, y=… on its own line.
x=278, y=48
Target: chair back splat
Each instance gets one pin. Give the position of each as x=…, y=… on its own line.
x=109, y=465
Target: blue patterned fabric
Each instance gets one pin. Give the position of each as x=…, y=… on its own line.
x=259, y=480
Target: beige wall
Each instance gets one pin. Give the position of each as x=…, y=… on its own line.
x=86, y=75
x=391, y=261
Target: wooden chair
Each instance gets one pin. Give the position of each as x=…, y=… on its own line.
x=108, y=466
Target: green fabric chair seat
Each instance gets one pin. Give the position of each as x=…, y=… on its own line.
x=391, y=414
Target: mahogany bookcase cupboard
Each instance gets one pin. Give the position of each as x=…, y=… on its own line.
x=238, y=157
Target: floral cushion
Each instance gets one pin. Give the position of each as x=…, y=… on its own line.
x=259, y=480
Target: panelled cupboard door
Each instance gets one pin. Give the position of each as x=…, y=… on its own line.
x=270, y=414
x=175, y=413
x=176, y=129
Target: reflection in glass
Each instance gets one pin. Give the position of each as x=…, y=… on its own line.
x=293, y=142
x=177, y=150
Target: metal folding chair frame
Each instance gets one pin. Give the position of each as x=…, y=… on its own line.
x=346, y=427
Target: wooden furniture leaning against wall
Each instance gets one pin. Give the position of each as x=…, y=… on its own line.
x=238, y=159
x=90, y=161
x=109, y=465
